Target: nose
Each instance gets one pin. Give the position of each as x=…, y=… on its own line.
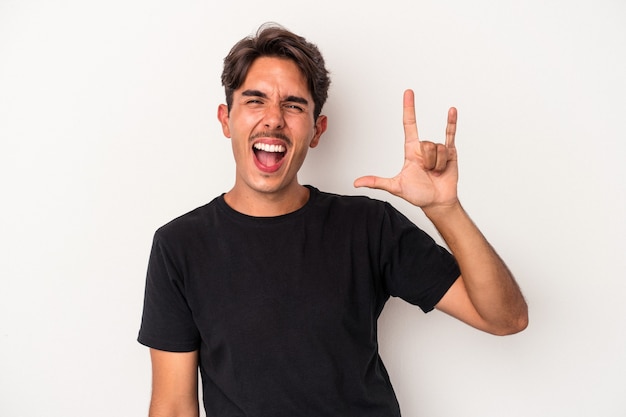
x=274, y=118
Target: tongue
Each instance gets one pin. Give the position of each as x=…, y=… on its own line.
x=269, y=159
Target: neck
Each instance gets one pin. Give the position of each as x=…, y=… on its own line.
x=259, y=204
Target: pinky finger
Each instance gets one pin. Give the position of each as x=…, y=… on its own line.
x=451, y=127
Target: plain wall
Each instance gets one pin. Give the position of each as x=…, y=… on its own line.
x=108, y=129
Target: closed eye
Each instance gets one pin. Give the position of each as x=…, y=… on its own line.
x=254, y=96
x=294, y=107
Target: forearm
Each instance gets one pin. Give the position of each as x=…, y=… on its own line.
x=490, y=285
x=174, y=384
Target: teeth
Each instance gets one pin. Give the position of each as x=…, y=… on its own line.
x=265, y=147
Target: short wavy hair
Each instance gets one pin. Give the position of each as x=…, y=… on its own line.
x=273, y=40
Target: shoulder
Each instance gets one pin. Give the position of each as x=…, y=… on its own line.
x=347, y=203
x=356, y=207
x=189, y=223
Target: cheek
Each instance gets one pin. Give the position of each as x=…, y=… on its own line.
x=300, y=155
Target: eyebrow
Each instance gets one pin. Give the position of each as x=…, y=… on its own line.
x=257, y=93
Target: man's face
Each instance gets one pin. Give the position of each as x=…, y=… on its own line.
x=271, y=126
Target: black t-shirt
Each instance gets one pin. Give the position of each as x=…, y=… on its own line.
x=283, y=310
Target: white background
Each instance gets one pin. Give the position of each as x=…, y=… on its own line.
x=108, y=130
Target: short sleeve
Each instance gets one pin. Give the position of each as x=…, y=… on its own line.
x=415, y=268
x=167, y=322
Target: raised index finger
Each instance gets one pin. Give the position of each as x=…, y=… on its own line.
x=408, y=117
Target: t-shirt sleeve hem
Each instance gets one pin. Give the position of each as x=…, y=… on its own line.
x=429, y=305
x=167, y=346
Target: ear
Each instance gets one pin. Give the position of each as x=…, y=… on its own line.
x=223, y=117
x=320, y=128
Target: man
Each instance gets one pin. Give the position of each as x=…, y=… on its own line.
x=273, y=289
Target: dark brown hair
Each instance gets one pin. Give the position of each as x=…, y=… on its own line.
x=275, y=41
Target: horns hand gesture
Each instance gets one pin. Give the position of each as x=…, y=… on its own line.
x=429, y=175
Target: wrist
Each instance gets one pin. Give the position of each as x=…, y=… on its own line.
x=443, y=210
x=453, y=223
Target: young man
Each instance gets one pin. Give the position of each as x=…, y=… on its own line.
x=274, y=288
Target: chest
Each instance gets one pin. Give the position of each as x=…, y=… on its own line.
x=278, y=283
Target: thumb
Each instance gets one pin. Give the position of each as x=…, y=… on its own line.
x=371, y=181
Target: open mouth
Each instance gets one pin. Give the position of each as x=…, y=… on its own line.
x=269, y=156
